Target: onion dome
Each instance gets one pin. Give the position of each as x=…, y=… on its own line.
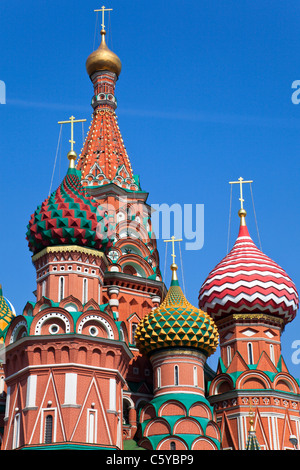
x=248, y=281
x=176, y=323
x=69, y=216
x=6, y=315
x=103, y=59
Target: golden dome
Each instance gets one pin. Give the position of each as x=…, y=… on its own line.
x=103, y=59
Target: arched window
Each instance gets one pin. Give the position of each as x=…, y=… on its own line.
x=158, y=377
x=195, y=377
x=48, y=429
x=133, y=330
x=92, y=426
x=228, y=349
x=44, y=289
x=84, y=291
x=272, y=353
x=176, y=376
x=1, y=384
x=129, y=270
x=250, y=353
x=61, y=288
x=16, y=432
x=172, y=445
x=126, y=407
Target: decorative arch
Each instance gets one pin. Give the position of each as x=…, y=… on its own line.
x=212, y=430
x=140, y=264
x=165, y=444
x=140, y=404
x=253, y=380
x=110, y=359
x=44, y=302
x=52, y=316
x=19, y=330
x=223, y=383
x=146, y=444
x=132, y=266
x=148, y=412
x=156, y=427
x=285, y=383
x=172, y=408
x=200, y=410
x=127, y=405
x=187, y=426
x=71, y=303
x=96, y=357
x=91, y=305
x=98, y=319
x=203, y=443
x=138, y=247
x=123, y=332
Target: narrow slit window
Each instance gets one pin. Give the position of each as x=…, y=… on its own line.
x=48, y=429
x=158, y=378
x=250, y=353
x=85, y=293
x=176, y=375
x=61, y=290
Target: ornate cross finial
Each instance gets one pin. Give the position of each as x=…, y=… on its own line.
x=103, y=9
x=71, y=121
x=173, y=246
x=240, y=182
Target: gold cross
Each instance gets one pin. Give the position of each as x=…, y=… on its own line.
x=173, y=247
x=240, y=182
x=71, y=121
x=103, y=9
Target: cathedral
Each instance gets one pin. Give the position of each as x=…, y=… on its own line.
x=108, y=357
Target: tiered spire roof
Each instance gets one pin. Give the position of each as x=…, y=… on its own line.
x=104, y=158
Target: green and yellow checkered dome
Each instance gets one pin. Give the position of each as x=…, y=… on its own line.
x=176, y=323
x=6, y=316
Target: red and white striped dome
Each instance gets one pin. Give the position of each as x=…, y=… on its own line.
x=248, y=281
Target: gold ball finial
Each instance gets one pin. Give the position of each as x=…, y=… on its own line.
x=72, y=155
x=174, y=268
x=242, y=214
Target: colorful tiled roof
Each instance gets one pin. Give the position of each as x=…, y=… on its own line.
x=104, y=158
x=68, y=217
x=6, y=315
x=188, y=400
x=176, y=323
x=247, y=280
x=252, y=442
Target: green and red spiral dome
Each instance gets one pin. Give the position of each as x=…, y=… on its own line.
x=69, y=216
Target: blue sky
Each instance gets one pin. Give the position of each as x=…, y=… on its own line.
x=204, y=97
